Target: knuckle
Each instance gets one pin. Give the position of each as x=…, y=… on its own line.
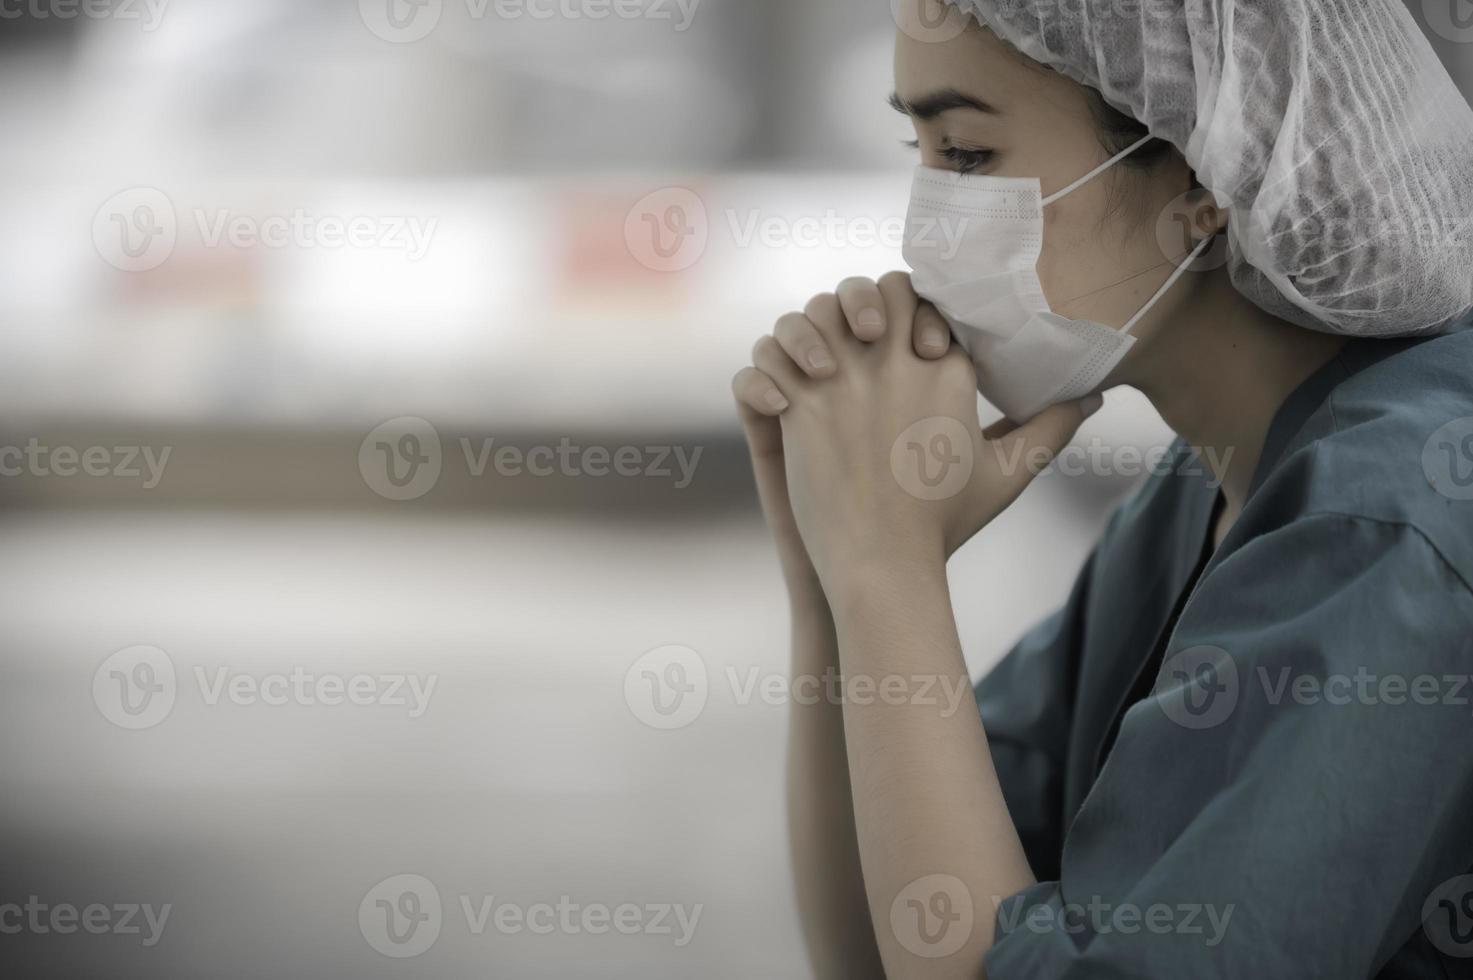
x=741, y=382
x=895, y=279
x=752, y=390
x=927, y=315
x=785, y=319
x=791, y=328
x=822, y=306
x=856, y=284
x=765, y=347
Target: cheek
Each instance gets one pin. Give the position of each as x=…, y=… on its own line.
x=1088, y=263
x=1072, y=259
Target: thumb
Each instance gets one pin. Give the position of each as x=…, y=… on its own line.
x=1026, y=451
x=769, y=464
x=764, y=434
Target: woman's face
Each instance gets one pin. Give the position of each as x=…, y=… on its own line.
x=980, y=107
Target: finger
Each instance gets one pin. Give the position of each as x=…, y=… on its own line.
x=769, y=357
x=827, y=316
x=864, y=308
x=769, y=468
x=757, y=394
x=797, y=335
x=1002, y=427
x=932, y=333
x=900, y=308
x=1031, y=447
x=764, y=432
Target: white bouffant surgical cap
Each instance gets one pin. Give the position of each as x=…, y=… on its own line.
x=1328, y=126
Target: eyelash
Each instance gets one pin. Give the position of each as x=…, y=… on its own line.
x=965, y=161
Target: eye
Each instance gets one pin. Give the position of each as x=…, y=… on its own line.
x=962, y=159
x=965, y=161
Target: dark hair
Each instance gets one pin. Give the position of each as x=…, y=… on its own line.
x=1119, y=131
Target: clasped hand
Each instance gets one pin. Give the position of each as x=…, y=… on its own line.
x=871, y=414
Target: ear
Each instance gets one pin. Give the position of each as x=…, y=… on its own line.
x=1207, y=217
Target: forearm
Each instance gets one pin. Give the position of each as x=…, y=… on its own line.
x=926, y=796
x=825, y=852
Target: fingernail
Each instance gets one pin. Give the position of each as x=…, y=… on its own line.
x=871, y=318
x=776, y=401
x=1092, y=404
x=933, y=339
x=819, y=359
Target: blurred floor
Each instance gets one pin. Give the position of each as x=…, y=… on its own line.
x=529, y=777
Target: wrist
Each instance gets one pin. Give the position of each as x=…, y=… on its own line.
x=809, y=605
x=804, y=588
x=863, y=579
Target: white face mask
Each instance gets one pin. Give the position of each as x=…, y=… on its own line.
x=972, y=243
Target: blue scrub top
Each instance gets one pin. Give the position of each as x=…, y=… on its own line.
x=1258, y=762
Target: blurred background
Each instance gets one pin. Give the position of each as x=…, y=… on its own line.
x=366, y=445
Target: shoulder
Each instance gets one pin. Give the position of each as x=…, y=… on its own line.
x=1391, y=446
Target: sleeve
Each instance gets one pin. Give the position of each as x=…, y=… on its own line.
x=1026, y=703
x=1296, y=790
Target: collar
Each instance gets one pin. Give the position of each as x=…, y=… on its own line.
x=1299, y=408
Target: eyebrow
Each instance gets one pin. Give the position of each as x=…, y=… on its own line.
x=929, y=106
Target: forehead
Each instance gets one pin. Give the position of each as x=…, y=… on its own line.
x=937, y=49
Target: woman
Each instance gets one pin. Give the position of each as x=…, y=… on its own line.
x=1244, y=746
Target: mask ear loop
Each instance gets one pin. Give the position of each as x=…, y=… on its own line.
x=1181, y=270
x=1098, y=170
